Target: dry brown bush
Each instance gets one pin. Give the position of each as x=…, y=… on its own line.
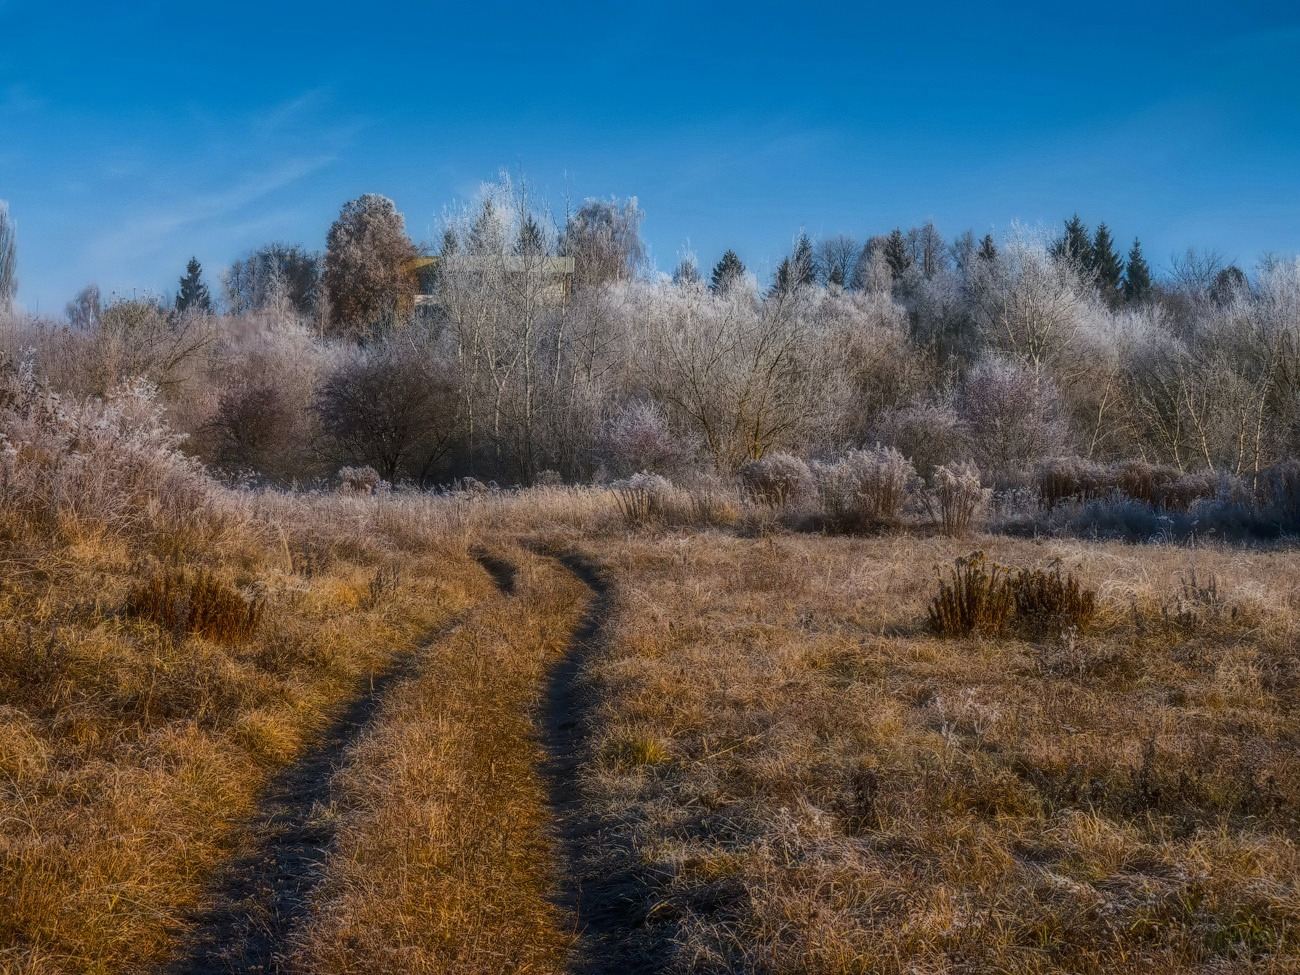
x=978, y=598
x=201, y=603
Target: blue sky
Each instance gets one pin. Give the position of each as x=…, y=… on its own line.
x=133, y=137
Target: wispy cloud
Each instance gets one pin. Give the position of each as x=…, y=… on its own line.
x=150, y=231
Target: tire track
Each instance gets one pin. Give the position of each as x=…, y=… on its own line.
x=263, y=894
x=601, y=883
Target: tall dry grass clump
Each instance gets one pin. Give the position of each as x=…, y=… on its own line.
x=865, y=488
x=956, y=497
x=199, y=603
x=977, y=598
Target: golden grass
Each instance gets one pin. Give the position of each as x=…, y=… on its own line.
x=130, y=751
x=443, y=863
x=844, y=792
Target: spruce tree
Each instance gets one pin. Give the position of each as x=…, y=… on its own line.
x=193, y=295
x=1106, y=264
x=1137, y=276
x=531, y=242
x=728, y=271
x=988, y=250
x=1074, y=245
x=896, y=253
x=686, y=274
x=802, y=262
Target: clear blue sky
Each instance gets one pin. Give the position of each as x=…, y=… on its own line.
x=135, y=134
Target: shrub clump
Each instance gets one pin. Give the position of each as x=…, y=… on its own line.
x=642, y=498
x=777, y=480
x=956, y=497
x=984, y=598
x=865, y=488
x=360, y=480
x=1046, y=598
x=977, y=599
x=198, y=603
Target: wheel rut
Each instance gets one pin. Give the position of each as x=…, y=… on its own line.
x=607, y=896
x=263, y=894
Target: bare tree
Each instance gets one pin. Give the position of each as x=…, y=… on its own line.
x=836, y=257
x=8, y=258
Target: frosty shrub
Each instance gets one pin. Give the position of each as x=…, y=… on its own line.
x=642, y=498
x=550, y=478
x=96, y=464
x=956, y=497
x=929, y=433
x=777, y=480
x=638, y=439
x=1279, y=494
x=1014, y=417
x=865, y=488
x=1064, y=479
x=360, y=480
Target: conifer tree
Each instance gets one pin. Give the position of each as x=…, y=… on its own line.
x=531, y=242
x=896, y=253
x=193, y=295
x=988, y=250
x=727, y=272
x=686, y=274
x=1106, y=264
x=1075, y=245
x=1137, y=276
x=802, y=262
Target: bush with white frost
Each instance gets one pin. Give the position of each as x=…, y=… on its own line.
x=95, y=464
x=643, y=497
x=361, y=480
x=777, y=480
x=956, y=497
x=638, y=438
x=865, y=488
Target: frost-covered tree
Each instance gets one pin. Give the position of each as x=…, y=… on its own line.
x=896, y=253
x=836, y=257
x=8, y=258
x=799, y=270
x=604, y=240
x=687, y=273
x=85, y=310
x=927, y=250
x=192, y=296
x=728, y=271
x=368, y=279
x=273, y=274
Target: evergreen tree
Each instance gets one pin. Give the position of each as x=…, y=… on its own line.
x=686, y=274
x=193, y=294
x=531, y=242
x=783, y=280
x=450, y=243
x=988, y=250
x=802, y=262
x=727, y=272
x=896, y=253
x=1137, y=276
x=1106, y=264
x=1075, y=245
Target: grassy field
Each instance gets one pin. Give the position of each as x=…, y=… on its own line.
x=778, y=766
x=808, y=780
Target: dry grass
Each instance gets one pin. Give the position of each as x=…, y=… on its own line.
x=835, y=790
x=138, y=722
x=443, y=862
